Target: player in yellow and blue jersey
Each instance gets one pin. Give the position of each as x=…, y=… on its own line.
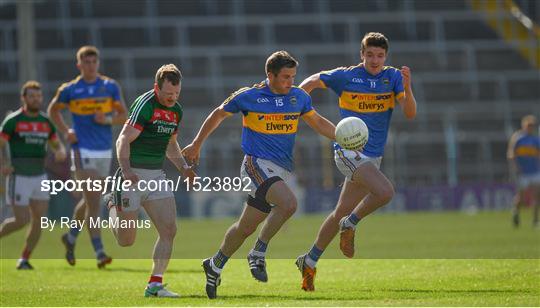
x=95, y=103
x=367, y=91
x=524, y=158
x=271, y=111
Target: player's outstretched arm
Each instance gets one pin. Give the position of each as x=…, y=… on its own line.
x=407, y=102
x=311, y=83
x=320, y=124
x=174, y=154
x=126, y=137
x=192, y=151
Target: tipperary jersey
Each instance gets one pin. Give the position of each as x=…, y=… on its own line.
x=84, y=100
x=270, y=121
x=368, y=97
x=27, y=136
x=527, y=153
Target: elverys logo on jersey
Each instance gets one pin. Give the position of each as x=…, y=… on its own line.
x=33, y=132
x=165, y=121
x=272, y=123
x=89, y=106
x=527, y=150
x=366, y=102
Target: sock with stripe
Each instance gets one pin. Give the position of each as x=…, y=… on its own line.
x=313, y=256
x=259, y=249
x=155, y=280
x=351, y=221
x=218, y=261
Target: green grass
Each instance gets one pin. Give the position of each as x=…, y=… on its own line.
x=339, y=283
x=436, y=259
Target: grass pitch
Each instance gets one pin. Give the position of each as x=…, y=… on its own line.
x=407, y=259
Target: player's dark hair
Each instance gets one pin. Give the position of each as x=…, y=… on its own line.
x=31, y=84
x=279, y=60
x=86, y=51
x=374, y=39
x=170, y=73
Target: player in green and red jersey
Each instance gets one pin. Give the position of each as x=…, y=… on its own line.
x=149, y=136
x=24, y=136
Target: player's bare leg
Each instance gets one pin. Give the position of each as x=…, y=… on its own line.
x=38, y=209
x=163, y=215
x=380, y=193
x=92, y=200
x=124, y=236
x=69, y=238
x=79, y=213
x=242, y=229
x=234, y=238
x=90, y=205
x=351, y=194
x=536, y=206
x=516, y=203
x=21, y=216
x=162, y=212
x=285, y=205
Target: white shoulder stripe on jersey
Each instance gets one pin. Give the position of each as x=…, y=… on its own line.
x=138, y=107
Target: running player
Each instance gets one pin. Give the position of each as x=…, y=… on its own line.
x=24, y=136
x=147, y=137
x=524, y=158
x=271, y=111
x=367, y=91
x=95, y=103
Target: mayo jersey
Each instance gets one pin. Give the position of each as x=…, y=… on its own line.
x=27, y=136
x=526, y=152
x=84, y=100
x=368, y=97
x=270, y=121
x=157, y=124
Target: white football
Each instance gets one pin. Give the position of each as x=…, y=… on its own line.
x=352, y=133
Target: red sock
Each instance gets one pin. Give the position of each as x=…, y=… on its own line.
x=158, y=279
x=26, y=254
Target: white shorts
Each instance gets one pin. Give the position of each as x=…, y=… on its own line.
x=347, y=161
x=260, y=170
x=21, y=189
x=525, y=180
x=84, y=159
x=132, y=199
